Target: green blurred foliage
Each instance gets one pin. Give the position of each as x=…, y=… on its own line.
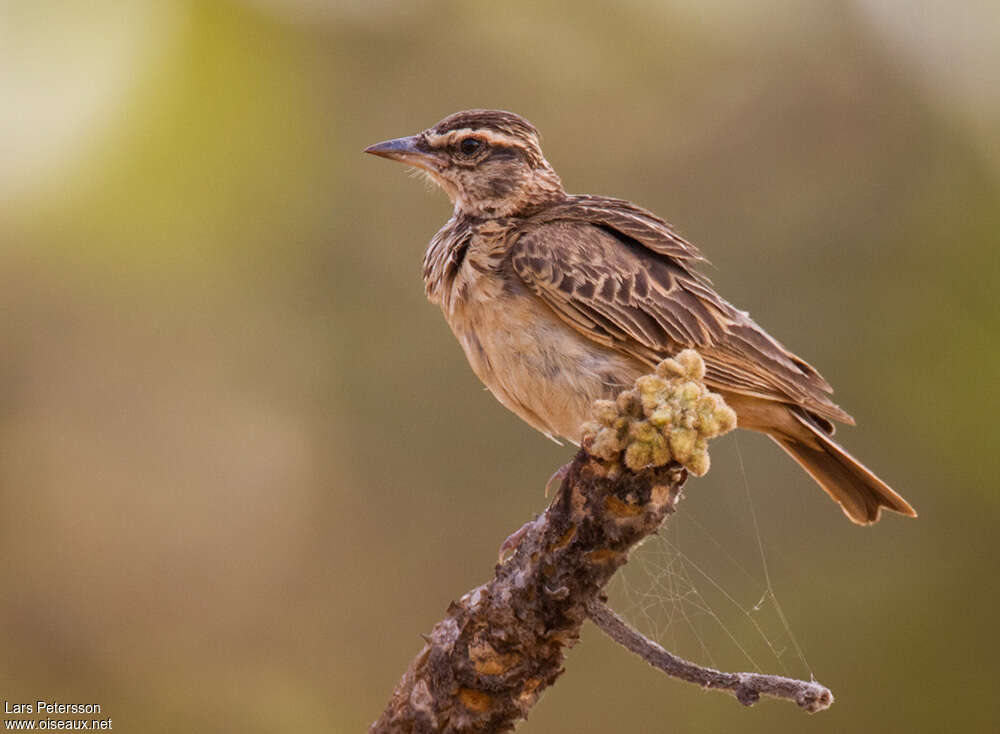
x=243, y=464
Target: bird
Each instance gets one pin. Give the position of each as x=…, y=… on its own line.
x=562, y=299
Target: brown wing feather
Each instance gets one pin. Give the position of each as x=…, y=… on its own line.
x=620, y=276
x=627, y=220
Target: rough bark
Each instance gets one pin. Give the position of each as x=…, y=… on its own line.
x=484, y=666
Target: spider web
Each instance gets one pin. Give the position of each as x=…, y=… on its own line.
x=710, y=601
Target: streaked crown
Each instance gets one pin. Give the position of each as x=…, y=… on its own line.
x=498, y=129
x=489, y=162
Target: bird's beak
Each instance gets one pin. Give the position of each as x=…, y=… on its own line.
x=405, y=150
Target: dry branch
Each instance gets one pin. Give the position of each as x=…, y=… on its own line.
x=484, y=666
x=747, y=687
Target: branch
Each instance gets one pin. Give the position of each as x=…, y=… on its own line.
x=747, y=687
x=486, y=663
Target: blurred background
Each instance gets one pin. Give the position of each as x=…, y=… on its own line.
x=244, y=465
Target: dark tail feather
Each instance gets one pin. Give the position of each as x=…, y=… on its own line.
x=860, y=493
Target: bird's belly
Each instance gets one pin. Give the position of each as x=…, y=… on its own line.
x=536, y=365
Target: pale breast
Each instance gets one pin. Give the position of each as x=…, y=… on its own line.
x=535, y=365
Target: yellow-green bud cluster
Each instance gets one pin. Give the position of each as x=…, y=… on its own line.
x=667, y=416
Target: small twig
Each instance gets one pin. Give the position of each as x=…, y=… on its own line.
x=747, y=687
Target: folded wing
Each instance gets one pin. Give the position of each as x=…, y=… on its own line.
x=622, y=277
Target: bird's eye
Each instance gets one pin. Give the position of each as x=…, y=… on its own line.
x=470, y=146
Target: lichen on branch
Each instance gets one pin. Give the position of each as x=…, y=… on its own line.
x=668, y=416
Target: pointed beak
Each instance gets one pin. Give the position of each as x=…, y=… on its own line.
x=405, y=150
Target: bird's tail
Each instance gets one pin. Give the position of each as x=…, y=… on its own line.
x=860, y=494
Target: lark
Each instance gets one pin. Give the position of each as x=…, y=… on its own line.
x=561, y=299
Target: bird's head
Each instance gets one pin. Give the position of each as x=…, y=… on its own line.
x=489, y=162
